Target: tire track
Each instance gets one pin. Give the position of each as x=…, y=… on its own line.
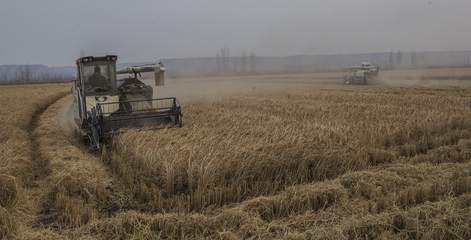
x=71, y=185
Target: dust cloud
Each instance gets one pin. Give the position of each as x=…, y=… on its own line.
x=190, y=88
x=66, y=116
x=453, y=77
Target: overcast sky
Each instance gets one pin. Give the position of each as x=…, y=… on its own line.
x=54, y=32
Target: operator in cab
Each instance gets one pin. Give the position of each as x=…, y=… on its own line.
x=97, y=82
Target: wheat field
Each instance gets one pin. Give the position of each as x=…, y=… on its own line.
x=297, y=156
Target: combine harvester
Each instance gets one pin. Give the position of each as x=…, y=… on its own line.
x=361, y=74
x=104, y=106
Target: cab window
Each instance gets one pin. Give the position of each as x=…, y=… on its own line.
x=99, y=78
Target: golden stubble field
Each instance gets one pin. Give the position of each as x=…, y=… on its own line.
x=296, y=156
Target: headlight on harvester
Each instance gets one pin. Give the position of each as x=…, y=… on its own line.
x=101, y=98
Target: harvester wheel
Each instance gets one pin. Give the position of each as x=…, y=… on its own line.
x=93, y=129
x=86, y=140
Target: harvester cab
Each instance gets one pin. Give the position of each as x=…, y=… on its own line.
x=104, y=105
x=361, y=74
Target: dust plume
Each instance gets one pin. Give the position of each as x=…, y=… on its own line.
x=425, y=77
x=186, y=89
x=189, y=88
x=66, y=115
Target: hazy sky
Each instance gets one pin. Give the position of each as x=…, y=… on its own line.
x=54, y=32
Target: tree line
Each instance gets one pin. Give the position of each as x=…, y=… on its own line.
x=25, y=73
x=242, y=65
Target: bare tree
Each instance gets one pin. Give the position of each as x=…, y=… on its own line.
x=3, y=76
x=399, y=58
x=466, y=60
x=83, y=52
x=23, y=73
x=413, y=59
x=391, y=58
x=423, y=60
x=27, y=74
x=243, y=61
x=236, y=67
x=225, y=59
x=253, y=61
x=20, y=75
x=45, y=76
x=218, y=62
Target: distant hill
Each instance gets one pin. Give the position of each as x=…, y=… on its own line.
x=258, y=64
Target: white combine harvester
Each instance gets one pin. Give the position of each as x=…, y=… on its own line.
x=104, y=105
x=361, y=74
